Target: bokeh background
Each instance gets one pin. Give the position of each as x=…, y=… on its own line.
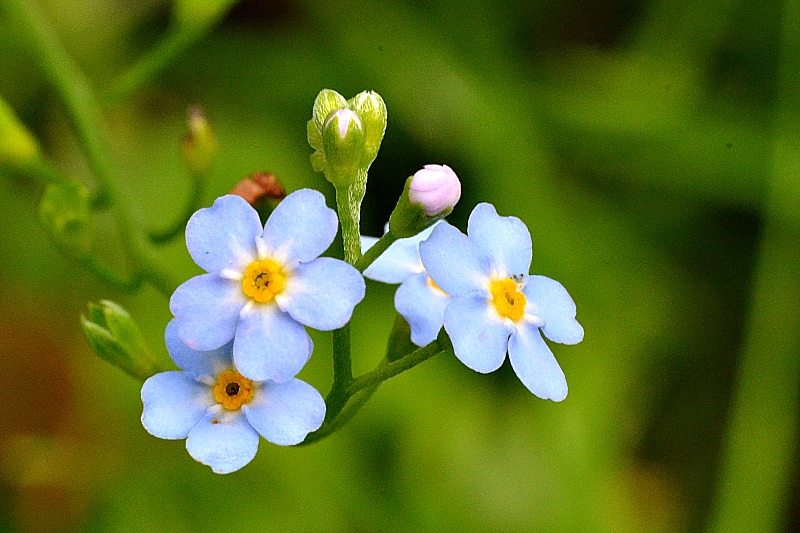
x=648, y=145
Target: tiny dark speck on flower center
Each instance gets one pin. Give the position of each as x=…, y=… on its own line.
x=232, y=389
x=215, y=420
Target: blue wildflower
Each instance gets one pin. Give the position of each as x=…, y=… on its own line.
x=495, y=305
x=264, y=284
x=220, y=412
x=418, y=299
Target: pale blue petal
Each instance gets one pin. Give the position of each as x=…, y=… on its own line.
x=284, y=413
x=199, y=363
x=322, y=294
x=505, y=239
x=207, y=308
x=478, y=334
x=301, y=227
x=535, y=365
x=270, y=344
x=423, y=308
x=223, y=440
x=551, y=302
x=223, y=235
x=174, y=402
x=454, y=262
x=400, y=261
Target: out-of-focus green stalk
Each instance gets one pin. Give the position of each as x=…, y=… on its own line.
x=84, y=113
x=759, y=454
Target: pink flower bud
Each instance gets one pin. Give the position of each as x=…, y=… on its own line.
x=436, y=188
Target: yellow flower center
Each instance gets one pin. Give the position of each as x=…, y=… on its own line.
x=432, y=284
x=263, y=280
x=233, y=390
x=507, y=299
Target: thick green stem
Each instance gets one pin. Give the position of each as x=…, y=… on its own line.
x=348, y=203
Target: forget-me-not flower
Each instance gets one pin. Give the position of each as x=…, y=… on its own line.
x=220, y=412
x=264, y=284
x=495, y=305
x=418, y=299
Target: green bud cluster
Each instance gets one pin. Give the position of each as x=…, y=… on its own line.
x=64, y=210
x=346, y=134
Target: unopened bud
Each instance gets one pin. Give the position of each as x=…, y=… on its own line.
x=372, y=111
x=436, y=188
x=199, y=146
x=428, y=196
x=114, y=336
x=343, y=145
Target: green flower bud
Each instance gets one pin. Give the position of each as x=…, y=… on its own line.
x=371, y=109
x=64, y=211
x=199, y=145
x=114, y=336
x=17, y=145
x=343, y=146
x=326, y=103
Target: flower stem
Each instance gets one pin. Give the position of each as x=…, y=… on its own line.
x=375, y=251
x=356, y=394
x=348, y=203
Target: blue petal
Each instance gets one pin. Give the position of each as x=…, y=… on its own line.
x=453, y=261
x=198, y=363
x=223, y=440
x=284, y=413
x=322, y=294
x=505, y=239
x=423, y=308
x=535, y=365
x=174, y=402
x=270, y=344
x=223, y=235
x=399, y=261
x=207, y=308
x=479, y=335
x=554, y=306
x=301, y=227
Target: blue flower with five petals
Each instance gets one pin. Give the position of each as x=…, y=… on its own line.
x=264, y=284
x=221, y=413
x=418, y=299
x=495, y=306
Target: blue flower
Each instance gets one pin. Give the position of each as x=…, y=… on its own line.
x=495, y=305
x=418, y=299
x=221, y=413
x=264, y=284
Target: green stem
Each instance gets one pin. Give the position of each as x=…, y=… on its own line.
x=152, y=63
x=375, y=251
x=348, y=203
x=84, y=113
x=192, y=204
x=363, y=387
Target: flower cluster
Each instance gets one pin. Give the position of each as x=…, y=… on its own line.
x=238, y=331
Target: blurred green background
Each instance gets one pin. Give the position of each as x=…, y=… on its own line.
x=651, y=148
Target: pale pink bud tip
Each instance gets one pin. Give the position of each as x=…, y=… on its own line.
x=436, y=188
